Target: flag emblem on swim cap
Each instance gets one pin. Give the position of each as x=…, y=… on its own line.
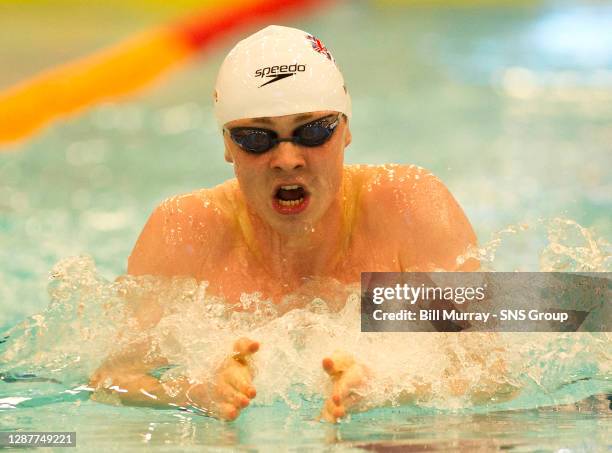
x=319, y=47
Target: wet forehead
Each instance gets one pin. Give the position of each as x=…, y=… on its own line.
x=296, y=119
x=288, y=119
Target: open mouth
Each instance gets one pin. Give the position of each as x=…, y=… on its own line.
x=290, y=199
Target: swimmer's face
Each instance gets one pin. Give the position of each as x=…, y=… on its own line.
x=291, y=185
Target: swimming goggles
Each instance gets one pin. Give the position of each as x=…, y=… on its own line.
x=256, y=140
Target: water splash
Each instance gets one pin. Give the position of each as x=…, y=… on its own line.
x=569, y=247
x=573, y=248
x=89, y=318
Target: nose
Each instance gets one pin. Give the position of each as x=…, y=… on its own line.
x=287, y=156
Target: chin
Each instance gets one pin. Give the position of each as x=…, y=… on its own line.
x=294, y=225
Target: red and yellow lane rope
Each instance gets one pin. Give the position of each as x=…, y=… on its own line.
x=126, y=67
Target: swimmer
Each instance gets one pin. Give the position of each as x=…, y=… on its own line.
x=294, y=212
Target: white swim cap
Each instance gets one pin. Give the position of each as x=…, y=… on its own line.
x=278, y=71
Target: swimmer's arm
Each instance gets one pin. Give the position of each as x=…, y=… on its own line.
x=177, y=231
x=125, y=378
x=132, y=375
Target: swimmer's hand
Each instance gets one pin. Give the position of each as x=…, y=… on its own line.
x=349, y=379
x=125, y=379
x=233, y=387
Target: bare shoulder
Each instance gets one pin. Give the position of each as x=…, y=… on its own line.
x=398, y=186
x=417, y=210
x=182, y=233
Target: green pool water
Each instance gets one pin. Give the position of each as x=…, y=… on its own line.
x=276, y=428
x=511, y=106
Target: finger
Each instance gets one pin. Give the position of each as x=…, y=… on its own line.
x=329, y=366
x=334, y=410
x=230, y=395
x=245, y=346
x=331, y=412
x=242, y=382
x=337, y=400
x=327, y=416
x=337, y=363
x=339, y=412
x=228, y=412
x=339, y=393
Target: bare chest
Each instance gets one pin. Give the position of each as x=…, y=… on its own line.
x=240, y=271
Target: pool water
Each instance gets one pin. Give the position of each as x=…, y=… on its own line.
x=274, y=428
x=515, y=118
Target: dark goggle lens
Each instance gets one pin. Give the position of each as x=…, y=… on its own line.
x=314, y=134
x=258, y=141
x=254, y=140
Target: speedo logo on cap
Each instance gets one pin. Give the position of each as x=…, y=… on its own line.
x=276, y=73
